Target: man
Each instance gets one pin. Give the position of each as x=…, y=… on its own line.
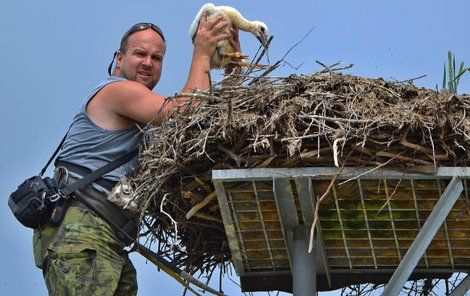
x=84, y=255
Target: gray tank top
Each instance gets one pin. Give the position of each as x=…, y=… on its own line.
x=92, y=147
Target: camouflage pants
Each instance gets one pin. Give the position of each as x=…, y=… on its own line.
x=83, y=257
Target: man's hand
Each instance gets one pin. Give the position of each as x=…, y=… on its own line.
x=209, y=32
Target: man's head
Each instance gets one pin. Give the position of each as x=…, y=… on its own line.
x=140, y=55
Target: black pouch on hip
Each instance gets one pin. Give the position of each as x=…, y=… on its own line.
x=59, y=210
x=31, y=202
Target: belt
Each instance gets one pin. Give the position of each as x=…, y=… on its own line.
x=83, y=171
x=120, y=217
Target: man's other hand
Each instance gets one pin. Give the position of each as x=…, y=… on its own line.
x=209, y=32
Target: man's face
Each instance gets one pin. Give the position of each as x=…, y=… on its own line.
x=142, y=61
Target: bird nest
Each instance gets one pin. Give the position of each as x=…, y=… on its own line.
x=322, y=120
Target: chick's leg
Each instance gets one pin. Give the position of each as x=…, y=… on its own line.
x=237, y=55
x=236, y=58
x=232, y=57
x=248, y=64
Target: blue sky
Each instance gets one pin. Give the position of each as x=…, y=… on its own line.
x=53, y=52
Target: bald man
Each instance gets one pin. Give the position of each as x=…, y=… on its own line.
x=83, y=255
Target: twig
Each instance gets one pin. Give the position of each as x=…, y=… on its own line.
x=175, y=241
x=420, y=148
x=336, y=118
x=301, y=40
x=200, y=205
x=391, y=195
x=230, y=154
x=335, y=150
x=292, y=66
x=208, y=97
x=325, y=66
x=265, y=49
x=371, y=170
x=411, y=80
x=272, y=68
x=317, y=207
x=433, y=149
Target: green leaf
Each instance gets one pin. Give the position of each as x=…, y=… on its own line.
x=461, y=71
x=451, y=72
x=454, y=87
x=454, y=76
x=453, y=67
x=444, y=80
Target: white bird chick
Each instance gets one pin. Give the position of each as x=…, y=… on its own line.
x=225, y=53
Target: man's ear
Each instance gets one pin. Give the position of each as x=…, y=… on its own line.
x=117, y=68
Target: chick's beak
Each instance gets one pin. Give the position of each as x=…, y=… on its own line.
x=263, y=39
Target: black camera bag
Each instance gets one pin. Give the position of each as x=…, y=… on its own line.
x=31, y=204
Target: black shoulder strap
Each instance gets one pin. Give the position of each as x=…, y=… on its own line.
x=53, y=155
x=100, y=172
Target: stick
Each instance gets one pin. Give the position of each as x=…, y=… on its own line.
x=335, y=150
x=200, y=205
x=391, y=195
x=419, y=148
x=317, y=206
x=197, y=96
x=336, y=119
x=254, y=63
x=411, y=80
x=175, y=242
x=371, y=170
x=325, y=66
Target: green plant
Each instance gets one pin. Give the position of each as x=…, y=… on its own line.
x=454, y=77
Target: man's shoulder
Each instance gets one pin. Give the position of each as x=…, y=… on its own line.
x=118, y=83
x=109, y=80
x=115, y=90
x=126, y=99
x=97, y=89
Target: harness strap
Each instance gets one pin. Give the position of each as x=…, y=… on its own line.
x=99, y=172
x=83, y=171
x=119, y=217
x=53, y=155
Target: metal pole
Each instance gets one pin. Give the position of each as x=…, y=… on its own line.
x=304, y=276
x=423, y=239
x=463, y=287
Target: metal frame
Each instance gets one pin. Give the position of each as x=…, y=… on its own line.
x=228, y=224
x=326, y=173
x=462, y=288
x=264, y=227
x=307, y=202
x=304, y=275
x=287, y=213
x=285, y=203
x=424, y=237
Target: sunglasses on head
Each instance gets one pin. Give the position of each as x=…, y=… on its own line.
x=133, y=29
x=140, y=27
